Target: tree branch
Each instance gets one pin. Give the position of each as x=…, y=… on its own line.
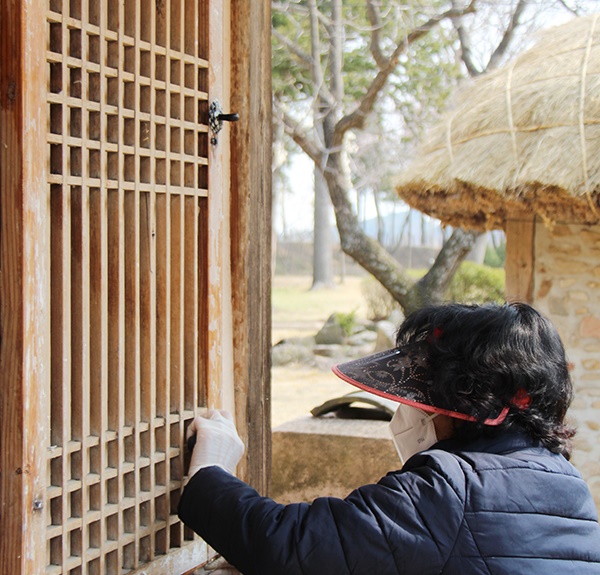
x=292, y=47
x=322, y=95
x=366, y=251
x=508, y=35
x=375, y=44
x=431, y=287
x=356, y=119
x=336, y=54
x=308, y=60
x=574, y=11
x=465, y=47
x=298, y=133
x=280, y=6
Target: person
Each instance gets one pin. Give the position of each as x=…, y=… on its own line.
x=485, y=487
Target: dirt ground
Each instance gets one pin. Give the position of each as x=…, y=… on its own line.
x=296, y=390
x=297, y=311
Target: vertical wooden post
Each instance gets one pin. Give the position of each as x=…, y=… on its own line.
x=520, y=236
x=24, y=287
x=219, y=392
x=251, y=230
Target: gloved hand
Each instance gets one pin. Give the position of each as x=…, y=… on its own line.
x=217, y=442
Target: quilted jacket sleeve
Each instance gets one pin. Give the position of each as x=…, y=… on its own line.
x=407, y=523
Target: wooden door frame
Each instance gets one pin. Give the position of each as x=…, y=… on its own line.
x=220, y=329
x=24, y=287
x=251, y=232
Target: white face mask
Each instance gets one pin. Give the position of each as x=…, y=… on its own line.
x=412, y=431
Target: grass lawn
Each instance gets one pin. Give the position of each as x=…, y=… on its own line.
x=298, y=311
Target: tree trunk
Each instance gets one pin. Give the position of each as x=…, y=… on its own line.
x=380, y=224
x=371, y=255
x=423, y=231
x=477, y=253
x=322, y=241
x=432, y=286
x=278, y=159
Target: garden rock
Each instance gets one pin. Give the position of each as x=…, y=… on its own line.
x=331, y=333
x=286, y=353
x=386, y=335
x=331, y=345
x=362, y=338
x=330, y=350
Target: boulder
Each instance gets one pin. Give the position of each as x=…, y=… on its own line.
x=386, y=335
x=286, y=353
x=331, y=333
x=362, y=337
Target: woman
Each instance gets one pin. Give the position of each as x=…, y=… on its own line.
x=486, y=486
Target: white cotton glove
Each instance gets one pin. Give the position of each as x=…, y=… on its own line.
x=217, y=442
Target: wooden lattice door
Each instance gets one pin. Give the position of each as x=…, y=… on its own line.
x=135, y=282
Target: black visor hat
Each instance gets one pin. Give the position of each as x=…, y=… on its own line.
x=402, y=374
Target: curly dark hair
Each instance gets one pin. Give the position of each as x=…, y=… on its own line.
x=492, y=356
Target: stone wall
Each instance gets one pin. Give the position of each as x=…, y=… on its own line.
x=566, y=290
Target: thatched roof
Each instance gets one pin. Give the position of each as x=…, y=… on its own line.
x=526, y=136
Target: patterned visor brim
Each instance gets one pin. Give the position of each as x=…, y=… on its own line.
x=402, y=375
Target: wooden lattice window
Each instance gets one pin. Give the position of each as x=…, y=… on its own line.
x=134, y=261
x=127, y=83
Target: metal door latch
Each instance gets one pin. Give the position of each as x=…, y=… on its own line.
x=216, y=117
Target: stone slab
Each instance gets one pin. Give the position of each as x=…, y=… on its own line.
x=314, y=457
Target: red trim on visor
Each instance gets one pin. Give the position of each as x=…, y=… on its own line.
x=424, y=406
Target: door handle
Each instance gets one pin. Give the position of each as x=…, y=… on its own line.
x=228, y=117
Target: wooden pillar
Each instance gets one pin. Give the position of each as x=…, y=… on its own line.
x=251, y=230
x=520, y=258
x=24, y=287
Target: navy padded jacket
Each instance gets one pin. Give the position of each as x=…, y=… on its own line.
x=494, y=507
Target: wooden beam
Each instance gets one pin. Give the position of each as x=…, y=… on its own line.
x=519, y=267
x=220, y=348
x=24, y=287
x=251, y=230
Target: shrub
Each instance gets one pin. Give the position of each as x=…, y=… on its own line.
x=495, y=257
x=472, y=283
x=476, y=283
x=347, y=321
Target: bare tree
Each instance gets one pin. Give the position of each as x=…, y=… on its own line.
x=326, y=144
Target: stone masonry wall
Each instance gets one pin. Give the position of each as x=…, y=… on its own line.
x=567, y=290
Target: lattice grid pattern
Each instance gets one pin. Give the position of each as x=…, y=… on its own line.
x=127, y=84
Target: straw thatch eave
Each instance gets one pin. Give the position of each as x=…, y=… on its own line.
x=523, y=138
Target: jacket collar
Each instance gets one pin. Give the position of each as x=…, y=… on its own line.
x=504, y=442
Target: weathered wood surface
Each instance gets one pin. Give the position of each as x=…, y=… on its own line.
x=24, y=289
x=519, y=267
x=251, y=234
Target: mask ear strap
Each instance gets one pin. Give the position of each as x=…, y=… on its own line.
x=428, y=417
